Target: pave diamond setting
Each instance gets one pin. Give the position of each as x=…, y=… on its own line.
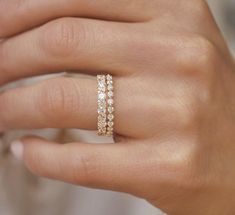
x=102, y=124
x=110, y=105
x=105, y=105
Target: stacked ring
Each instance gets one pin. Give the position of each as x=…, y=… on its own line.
x=105, y=105
x=101, y=80
x=110, y=107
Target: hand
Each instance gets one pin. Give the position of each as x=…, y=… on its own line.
x=174, y=97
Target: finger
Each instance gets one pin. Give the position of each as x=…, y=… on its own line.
x=66, y=44
x=63, y=102
x=71, y=102
x=18, y=15
x=109, y=166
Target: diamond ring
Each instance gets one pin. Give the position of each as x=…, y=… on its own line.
x=105, y=105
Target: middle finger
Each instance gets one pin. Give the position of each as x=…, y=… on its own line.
x=19, y=15
x=66, y=44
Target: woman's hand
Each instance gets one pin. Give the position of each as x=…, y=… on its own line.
x=174, y=97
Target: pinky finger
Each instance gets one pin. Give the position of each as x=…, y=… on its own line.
x=105, y=166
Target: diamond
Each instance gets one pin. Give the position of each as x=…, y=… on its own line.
x=101, y=110
x=110, y=124
x=102, y=96
x=101, y=103
x=103, y=115
x=101, y=77
x=110, y=94
x=110, y=117
x=109, y=82
x=109, y=77
x=110, y=101
x=101, y=119
x=102, y=124
x=110, y=87
x=102, y=86
x=110, y=109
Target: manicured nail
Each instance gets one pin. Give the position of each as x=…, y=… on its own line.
x=17, y=149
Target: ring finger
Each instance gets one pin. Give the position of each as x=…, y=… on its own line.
x=71, y=102
x=63, y=102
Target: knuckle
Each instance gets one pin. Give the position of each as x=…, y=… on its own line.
x=194, y=178
x=60, y=38
x=84, y=169
x=17, y=5
x=186, y=112
x=206, y=53
x=186, y=166
x=87, y=169
x=180, y=163
x=190, y=109
x=59, y=98
x=198, y=56
x=201, y=9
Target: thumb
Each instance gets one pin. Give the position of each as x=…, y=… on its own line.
x=107, y=166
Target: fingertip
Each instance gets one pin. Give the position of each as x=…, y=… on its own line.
x=17, y=149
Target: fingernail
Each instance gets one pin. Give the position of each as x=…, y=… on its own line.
x=17, y=149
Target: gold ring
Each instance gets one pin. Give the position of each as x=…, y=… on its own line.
x=105, y=105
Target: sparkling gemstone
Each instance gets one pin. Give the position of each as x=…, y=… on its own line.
x=101, y=86
x=101, y=110
x=109, y=77
x=101, y=77
x=102, y=102
x=110, y=109
x=102, y=124
x=102, y=96
x=101, y=105
x=103, y=115
x=110, y=87
x=101, y=119
x=110, y=101
x=110, y=82
x=110, y=124
x=110, y=94
x=110, y=116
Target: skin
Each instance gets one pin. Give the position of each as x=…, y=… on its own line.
x=174, y=97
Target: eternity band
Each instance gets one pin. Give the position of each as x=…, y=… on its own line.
x=105, y=105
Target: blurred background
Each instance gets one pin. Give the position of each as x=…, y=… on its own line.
x=24, y=194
